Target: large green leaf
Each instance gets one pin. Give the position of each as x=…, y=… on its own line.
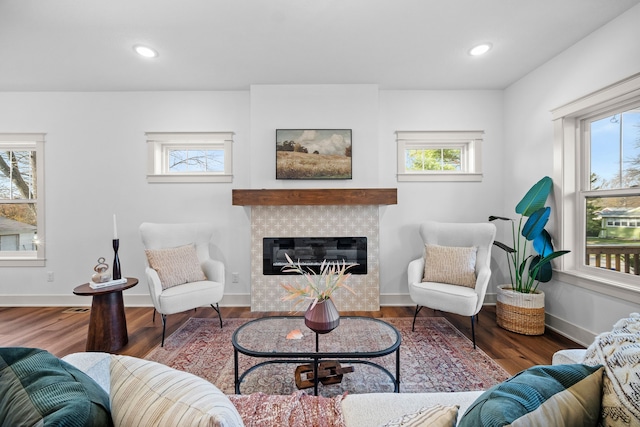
x=542, y=243
x=543, y=273
x=536, y=222
x=535, y=198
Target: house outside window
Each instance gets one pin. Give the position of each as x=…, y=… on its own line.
x=21, y=199
x=439, y=155
x=598, y=142
x=190, y=157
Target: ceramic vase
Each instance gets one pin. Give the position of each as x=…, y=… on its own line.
x=323, y=317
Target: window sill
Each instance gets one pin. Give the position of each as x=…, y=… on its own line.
x=189, y=178
x=22, y=262
x=610, y=288
x=440, y=177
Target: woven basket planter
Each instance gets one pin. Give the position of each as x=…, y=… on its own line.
x=520, y=313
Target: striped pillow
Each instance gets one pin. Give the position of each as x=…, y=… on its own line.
x=433, y=416
x=449, y=264
x=176, y=266
x=145, y=393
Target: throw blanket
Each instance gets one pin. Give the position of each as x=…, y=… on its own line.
x=294, y=410
x=619, y=352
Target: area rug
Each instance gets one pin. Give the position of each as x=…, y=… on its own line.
x=435, y=358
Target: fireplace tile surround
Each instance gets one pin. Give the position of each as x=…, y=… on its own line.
x=304, y=221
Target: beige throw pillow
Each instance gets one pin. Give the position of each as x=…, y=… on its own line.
x=450, y=264
x=145, y=393
x=176, y=266
x=433, y=416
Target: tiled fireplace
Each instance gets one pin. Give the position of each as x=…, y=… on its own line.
x=314, y=221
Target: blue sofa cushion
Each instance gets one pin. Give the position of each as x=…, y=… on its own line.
x=37, y=388
x=558, y=395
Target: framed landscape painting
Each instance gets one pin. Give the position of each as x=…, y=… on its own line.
x=313, y=154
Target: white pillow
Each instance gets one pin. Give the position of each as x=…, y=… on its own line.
x=145, y=393
x=176, y=266
x=434, y=416
x=450, y=264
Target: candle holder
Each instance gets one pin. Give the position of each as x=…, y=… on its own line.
x=116, y=260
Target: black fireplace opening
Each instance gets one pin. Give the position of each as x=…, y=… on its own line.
x=312, y=251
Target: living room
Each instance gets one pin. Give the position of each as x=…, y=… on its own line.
x=96, y=164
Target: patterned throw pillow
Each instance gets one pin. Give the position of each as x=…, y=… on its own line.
x=450, y=264
x=433, y=416
x=145, y=393
x=619, y=352
x=37, y=388
x=175, y=266
x=558, y=395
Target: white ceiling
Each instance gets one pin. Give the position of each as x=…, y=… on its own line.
x=86, y=45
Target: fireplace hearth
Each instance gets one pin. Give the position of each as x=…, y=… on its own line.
x=311, y=252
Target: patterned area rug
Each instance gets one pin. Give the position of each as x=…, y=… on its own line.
x=435, y=358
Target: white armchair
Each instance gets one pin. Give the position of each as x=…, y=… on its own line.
x=206, y=290
x=462, y=300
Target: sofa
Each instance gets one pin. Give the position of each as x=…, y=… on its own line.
x=594, y=386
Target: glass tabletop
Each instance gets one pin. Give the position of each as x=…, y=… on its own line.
x=354, y=337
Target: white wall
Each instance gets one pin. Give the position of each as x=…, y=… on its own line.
x=441, y=201
x=606, y=56
x=95, y=154
x=96, y=163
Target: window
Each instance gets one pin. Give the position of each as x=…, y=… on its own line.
x=190, y=157
x=597, y=144
x=21, y=202
x=439, y=156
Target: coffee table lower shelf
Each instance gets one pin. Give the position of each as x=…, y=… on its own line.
x=395, y=379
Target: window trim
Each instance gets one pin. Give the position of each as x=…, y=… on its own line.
x=469, y=141
x=159, y=142
x=35, y=142
x=569, y=157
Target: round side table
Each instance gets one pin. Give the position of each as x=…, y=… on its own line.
x=107, y=322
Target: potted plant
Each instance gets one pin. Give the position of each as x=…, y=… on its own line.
x=322, y=315
x=520, y=305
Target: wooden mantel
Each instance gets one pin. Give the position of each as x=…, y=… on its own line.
x=315, y=196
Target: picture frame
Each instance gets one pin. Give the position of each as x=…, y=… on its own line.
x=313, y=154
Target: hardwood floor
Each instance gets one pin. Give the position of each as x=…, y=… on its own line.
x=62, y=331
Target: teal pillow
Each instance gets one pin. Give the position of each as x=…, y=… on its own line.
x=38, y=388
x=558, y=395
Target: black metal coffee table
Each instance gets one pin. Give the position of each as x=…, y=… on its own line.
x=355, y=341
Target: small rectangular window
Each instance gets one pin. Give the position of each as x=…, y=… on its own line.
x=190, y=157
x=439, y=155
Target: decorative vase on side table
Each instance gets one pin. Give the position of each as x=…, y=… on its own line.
x=519, y=312
x=323, y=317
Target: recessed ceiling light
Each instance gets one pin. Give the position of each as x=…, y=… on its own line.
x=145, y=51
x=480, y=49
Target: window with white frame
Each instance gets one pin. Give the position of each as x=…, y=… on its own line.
x=21, y=199
x=190, y=157
x=597, y=141
x=439, y=155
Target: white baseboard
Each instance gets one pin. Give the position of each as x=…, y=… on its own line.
x=230, y=300
x=567, y=329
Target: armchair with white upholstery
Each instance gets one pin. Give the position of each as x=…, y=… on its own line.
x=180, y=272
x=465, y=299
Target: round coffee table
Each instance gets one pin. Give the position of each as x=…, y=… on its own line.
x=107, y=322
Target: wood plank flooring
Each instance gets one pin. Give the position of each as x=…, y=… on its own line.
x=62, y=332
